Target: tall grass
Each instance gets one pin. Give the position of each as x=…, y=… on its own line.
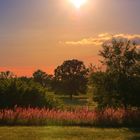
x=78, y=117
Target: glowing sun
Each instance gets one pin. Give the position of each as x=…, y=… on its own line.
x=78, y=3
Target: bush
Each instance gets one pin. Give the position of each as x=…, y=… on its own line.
x=115, y=90
x=16, y=92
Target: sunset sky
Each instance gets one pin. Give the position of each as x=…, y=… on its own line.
x=41, y=34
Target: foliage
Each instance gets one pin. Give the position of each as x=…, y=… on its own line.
x=43, y=78
x=79, y=117
x=110, y=90
x=121, y=56
x=71, y=77
x=6, y=75
x=119, y=84
x=17, y=92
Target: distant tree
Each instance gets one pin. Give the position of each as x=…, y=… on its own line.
x=26, y=79
x=71, y=77
x=6, y=75
x=42, y=78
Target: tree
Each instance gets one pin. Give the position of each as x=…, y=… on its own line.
x=42, y=78
x=71, y=77
x=121, y=56
x=20, y=93
x=6, y=75
x=118, y=85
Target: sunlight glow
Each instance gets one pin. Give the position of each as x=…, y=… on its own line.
x=78, y=3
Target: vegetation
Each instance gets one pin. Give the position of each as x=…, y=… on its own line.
x=77, y=101
x=16, y=92
x=119, y=84
x=68, y=133
x=78, y=117
x=34, y=100
x=71, y=77
x=43, y=78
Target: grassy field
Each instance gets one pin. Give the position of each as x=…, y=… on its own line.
x=68, y=133
x=77, y=101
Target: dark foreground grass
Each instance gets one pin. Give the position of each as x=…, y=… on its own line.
x=68, y=133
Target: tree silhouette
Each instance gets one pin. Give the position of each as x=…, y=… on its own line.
x=121, y=56
x=42, y=78
x=71, y=77
x=6, y=75
x=119, y=85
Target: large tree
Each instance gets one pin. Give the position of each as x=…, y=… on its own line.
x=119, y=84
x=121, y=56
x=71, y=77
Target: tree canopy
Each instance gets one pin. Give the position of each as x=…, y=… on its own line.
x=119, y=84
x=71, y=77
x=121, y=56
x=43, y=78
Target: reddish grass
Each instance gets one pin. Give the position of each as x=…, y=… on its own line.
x=78, y=117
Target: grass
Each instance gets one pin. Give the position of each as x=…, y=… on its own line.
x=68, y=133
x=77, y=101
x=79, y=117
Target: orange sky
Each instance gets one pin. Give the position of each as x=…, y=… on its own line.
x=26, y=71
x=41, y=34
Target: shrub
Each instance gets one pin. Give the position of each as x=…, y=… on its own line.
x=23, y=94
x=113, y=90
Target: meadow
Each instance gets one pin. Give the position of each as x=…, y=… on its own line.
x=68, y=133
x=77, y=120
x=108, y=117
x=43, y=124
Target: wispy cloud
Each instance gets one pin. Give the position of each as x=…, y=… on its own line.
x=101, y=38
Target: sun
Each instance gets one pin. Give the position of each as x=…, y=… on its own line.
x=78, y=3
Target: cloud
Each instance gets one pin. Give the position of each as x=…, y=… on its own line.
x=101, y=38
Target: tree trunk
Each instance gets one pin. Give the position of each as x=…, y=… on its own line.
x=71, y=96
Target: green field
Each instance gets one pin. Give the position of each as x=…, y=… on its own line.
x=77, y=101
x=68, y=133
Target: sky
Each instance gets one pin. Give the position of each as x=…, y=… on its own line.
x=41, y=34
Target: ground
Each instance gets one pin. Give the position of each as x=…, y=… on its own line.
x=68, y=133
x=77, y=101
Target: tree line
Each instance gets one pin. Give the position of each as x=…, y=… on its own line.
x=118, y=85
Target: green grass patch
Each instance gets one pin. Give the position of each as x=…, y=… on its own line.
x=68, y=133
x=77, y=101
